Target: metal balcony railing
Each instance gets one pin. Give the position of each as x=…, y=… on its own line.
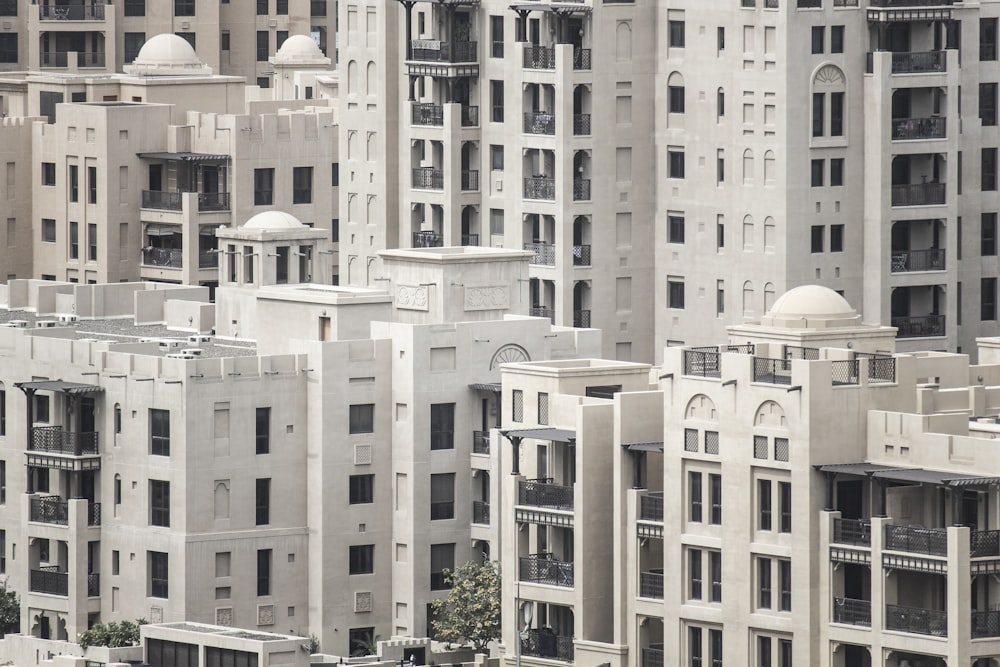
x=857, y=532
x=213, y=201
x=93, y=585
x=49, y=580
x=852, y=612
x=161, y=200
x=539, y=122
x=581, y=255
x=546, y=569
x=652, y=657
x=844, y=372
x=919, y=62
x=470, y=239
x=172, y=258
x=539, y=187
x=705, y=362
x=208, y=260
x=92, y=12
x=904, y=129
x=49, y=509
x=546, y=644
x=428, y=178
x=470, y=180
x=545, y=253
x=651, y=507
x=93, y=514
x=880, y=367
x=544, y=494
x=470, y=116
x=480, y=442
x=911, y=539
x=651, y=584
x=436, y=51
x=919, y=326
x=428, y=240
x=427, y=114
x=931, y=259
x=911, y=3
x=581, y=319
x=581, y=189
x=539, y=57
x=480, y=512
x=581, y=124
x=984, y=543
x=541, y=311
x=54, y=440
x=916, y=620
x=985, y=624
x=56, y=59
x=581, y=58
x=918, y=194
x=772, y=371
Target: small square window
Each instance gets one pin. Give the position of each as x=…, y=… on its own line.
x=362, y=418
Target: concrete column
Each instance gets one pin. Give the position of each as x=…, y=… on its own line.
x=959, y=596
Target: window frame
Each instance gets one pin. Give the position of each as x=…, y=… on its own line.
x=159, y=432
x=361, y=559
x=262, y=501
x=159, y=503
x=361, y=418
x=361, y=489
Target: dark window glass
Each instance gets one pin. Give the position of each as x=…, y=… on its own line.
x=715, y=564
x=133, y=42
x=261, y=7
x=74, y=240
x=695, y=649
x=74, y=183
x=443, y=496
x=988, y=234
x=715, y=494
x=263, y=187
x=362, y=418
x=158, y=574
x=302, y=184
x=92, y=242
x=362, y=489
x=335, y=175
x=836, y=114
x=362, y=559
x=764, y=504
x=694, y=494
x=135, y=7
x=263, y=572
x=785, y=585
x=819, y=100
x=989, y=169
x=159, y=503
x=496, y=36
x=764, y=583
x=675, y=34
x=818, y=33
x=694, y=574
x=443, y=426
x=988, y=299
x=48, y=173
x=263, y=430
x=159, y=432
x=496, y=101
x=263, y=501
x=816, y=173
x=988, y=39
x=675, y=164
x=442, y=558
x=988, y=103
x=263, y=45
x=675, y=99
x=837, y=171
x=836, y=238
x=92, y=185
x=8, y=48
x=675, y=294
x=496, y=158
x=675, y=229
x=785, y=499
x=281, y=7
x=183, y=7
x=836, y=39
x=225, y=41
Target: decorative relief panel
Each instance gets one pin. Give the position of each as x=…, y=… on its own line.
x=487, y=297
x=412, y=297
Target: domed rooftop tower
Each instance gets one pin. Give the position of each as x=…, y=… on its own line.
x=167, y=55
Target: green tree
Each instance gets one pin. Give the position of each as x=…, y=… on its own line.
x=471, y=612
x=10, y=609
x=112, y=634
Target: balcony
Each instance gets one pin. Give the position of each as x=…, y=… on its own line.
x=545, y=253
x=546, y=644
x=911, y=3
x=651, y=584
x=213, y=201
x=428, y=178
x=581, y=255
x=93, y=585
x=703, y=363
x=163, y=201
x=919, y=62
x=49, y=509
x=480, y=442
x=470, y=239
x=984, y=543
x=169, y=258
x=208, y=260
x=916, y=620
x=855, y=532
x=541, y=311
x=931, y=259
x=651, y=507
x=539, y=122
x=581, y=319
x=470, y=116
x=60, y=59
x=49, y=580
x=581, y=58
x=912, y=539
x=581, y=189
x=772, y=371
x=546, y=569
x=93, y=12
x=920, y=326
x=54, y=440
x=907, y=129
x=481, y=512
x=652, y=657
x=918, y=194
x=431, y=115
x=470, y=180
x=852, y=612
x=581, y=125
x=542, y=493
x=985, y=624
x=428, y=240
x=539, y=57
x=435, y=51
x=93, y=514
x=539, y=187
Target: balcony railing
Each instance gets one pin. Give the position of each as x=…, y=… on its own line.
x=651, y=584
x=54, y=440
x=581, y=58
x=93, y=514
x=984, y=543
x=581, y=189
x=703, y=363
x=208, y=260
x=931, y=259
x=480, y=512
x=545, y=494
x=651, y=507
x=880, y=367
x=581, y=319
x=172, y=258
x=470, y=239
x=428, y=240
x=480, y=442
x=985, y=624
x=541, y=311
x=435, y=51
x=54, y=59
x=852, y=531
x=844, y=372
x=546, y=569
x=918, y=128
x=581, y=124
x=539, y=187
x=652, y=657
x=162, y=200
x=427, y=114
x=546, y=644
x=470, y=116
x=213, y=201
x=919, y=62
x=545, y=253
x=911, y=3
x=93, y=585
x=470, y=180
x=49, y=580
x=537, y=122
x=93, y=12
x=581, y=255
x=916, y=620
x=49, y=509
x=772, y=371
x=852, y=612
x=428, y=178
x=918, y=194
x=539, y=57
x=911, y=539
x=919, y=326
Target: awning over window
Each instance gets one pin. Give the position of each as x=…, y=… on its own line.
x=644, y=446
x=568, y=7
x=909, y=475
x=553, y=434
x=59, y=386
x=854, y=468
x=184, y=157
x=486, y=386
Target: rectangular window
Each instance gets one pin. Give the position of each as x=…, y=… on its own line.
x=836, y=114
x=675, y=228
x=262, y=430
x=225, y=41
x=715, y=494
x=675, y=34
x=720, y=102
x=281, y=7
x=543, y=408
x=362, y=489
x=92, y=185
x=715, y=567
x=675, y=294
x=988, y=103
x=763, y=504
x=362, y=559
x=819, y=101
x=988, y=39
x=764, y=651
x=91, y=242
x=694, y=574
x=443, y=426
x=785, y=506
x=836, y=238
x=3, y=416
x=836, y=39
x=74, y=183
x=159, y=503
x=720, y=38
x=496, y=101
x=988, y=299
x=262, y=502
x=690, y=440
x=8, y=48
x=496, y=221
x=720, y=299
x=42, y=408
x=159, y=432
x=837, y=171
x=785, y=585
x=189, y=37
x=263, y=46
x=183, y=7
x=158, y=574
x=695, y=649
x=694, y=496
x=262, y=9
x=517, y=405
x=816, y=173
x=133, y=42
x=763, y=583
x=74, y=240
x=442, y=496
x=442, y=558
x=335, y=175
x=135, y=7
x=263, y=572
x=302, y=185
x=496, y=36
x=48, y=173
x=784, y=653
x=48, y=230
x=496, y=157
x=816, y=242
x=362, y=418
x=675, y=163
x=720, y=166
x=988, y=234
x=675, y=99
x=263, y=187
x=989, y=169
x=818, y=33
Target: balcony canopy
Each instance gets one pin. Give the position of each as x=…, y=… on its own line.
x=59, y=386
x=568, y=7
x=910, y=475
x=495, y=387
x=184, y=157
x=644, y=447
x=552, y=434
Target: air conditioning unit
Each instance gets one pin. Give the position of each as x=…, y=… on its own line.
x=68, y=319
x=45, y=324
x=191, y=352
x=199, y=338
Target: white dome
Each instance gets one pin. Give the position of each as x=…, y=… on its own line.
x=812, y=302
x=167, y=54
x=273, y=220
x=300, y=47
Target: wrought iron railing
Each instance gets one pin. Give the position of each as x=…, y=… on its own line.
x=172, y=258
x=931, y=259
x=470, y=239
x=93, y=514
x=539, y=57
x=546, y=644
x=541, y=311
x=470, y=116
x=651, y=507
x=581, y=255
x=703, y=363
x=919, y=62
x=546, y=569
x=581, y=124
x=93, y=585
x=480, y=442
x=918, y=128
x=772, y=371
x=581, y=189
x=428, y=178
x=651, y=584
x=985, y=624
x=428, y=240
x=49, y=509
x=208, y=260
x=213, y=201
x=470, y=180
x=984, y=543
x=852, y=531
x=912, y=539
x=539, y=187
x=916, y=620
x=844, y=372
x=545, y=253
x=918, y=194
x=480, y=512
x=581, y=58
x=54, y=440
x=537, y=122
x=880, y=367
x=581, y=319
x=852, y=612
x=544, y=494
x=49, y=580
x=919, y=326
x=652, y=657
x=159, y=199
x=91, y=12
x=436, y=51
x=427, y=114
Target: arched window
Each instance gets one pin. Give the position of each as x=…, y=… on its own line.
x=829, y=102
x=352, y=77
x=769, y=234
x=769, y=168
x=675, y=93
x=747, y=167
x=747, y=298
x=222, y=499
x=623, y=41
x=768, y=296
x=748, y=233
x=371, y=83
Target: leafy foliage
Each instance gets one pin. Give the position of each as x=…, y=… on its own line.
x=471, y=612
x=366, y=646
x=112, y=634
x=10, y=609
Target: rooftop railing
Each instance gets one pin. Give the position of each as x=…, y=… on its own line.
x=705, y=362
